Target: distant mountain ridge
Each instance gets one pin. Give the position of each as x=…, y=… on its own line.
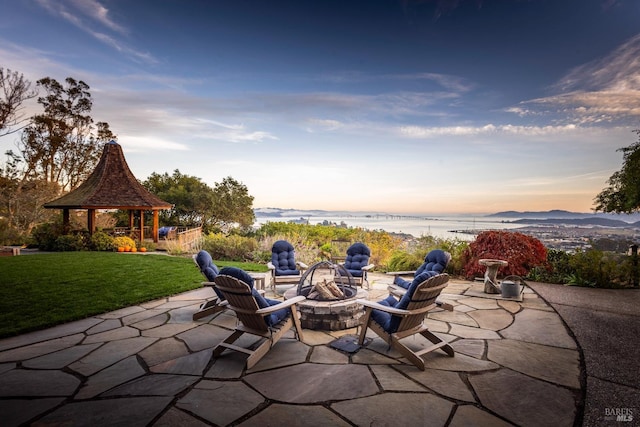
x=553, y=214
x=602, y=222
x=562, y=214
x=550, y=217
x=293, y=213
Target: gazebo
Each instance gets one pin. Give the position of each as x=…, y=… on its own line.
x=111, y=186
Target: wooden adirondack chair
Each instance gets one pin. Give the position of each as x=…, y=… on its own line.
x=406, y=318
x=269, y=323
x=285, y=270
x=209, y=270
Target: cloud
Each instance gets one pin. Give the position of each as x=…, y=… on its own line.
x=445, y=81
x=453, y=83
x=190, y=124
x=97, y=12
x=431, y=132
x=603, y=90
x=87, y=15
x=146, y=144
x=325, y=124
x=617, y=72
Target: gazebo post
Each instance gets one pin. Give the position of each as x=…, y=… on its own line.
x=66, y=222
x=141, y=226
x=155, y=226
x=131, y=221
x=91, y=220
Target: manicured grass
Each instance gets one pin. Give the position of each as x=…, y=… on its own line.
x=42, y=290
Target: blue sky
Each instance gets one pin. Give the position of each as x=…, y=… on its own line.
x=444, y=106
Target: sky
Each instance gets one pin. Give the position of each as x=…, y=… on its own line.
x=398, y=106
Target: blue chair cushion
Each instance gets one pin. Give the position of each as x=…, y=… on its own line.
x=283, y=258
x=399, y=281
x=383, y=318
x=209, y=269
x=390, y=322
x=407, y=297
x=358, y=256
x=271, y=319
x=436, y=260
x=356, y=273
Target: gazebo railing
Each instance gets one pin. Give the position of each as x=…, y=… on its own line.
x=184, y=238
x=189, y=238
x=134, y=233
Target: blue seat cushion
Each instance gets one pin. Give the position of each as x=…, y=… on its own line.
x=391, y=322
x=358, y=256
x=383, y=318
x=283, y=258
x=270, y=319
x=436, y=260
x=399, y=281
x=356, y=273
x=209, y=269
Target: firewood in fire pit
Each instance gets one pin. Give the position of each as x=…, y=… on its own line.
x=334, y=289
x=325, y=291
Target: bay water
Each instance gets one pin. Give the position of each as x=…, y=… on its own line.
x=463, y=227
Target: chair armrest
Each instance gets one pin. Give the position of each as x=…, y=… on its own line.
x=302, y=265
x=368, y=267
x=284, y=304
x=270, y=266
x=396, y=291
x=385, y=308
x=401, y=273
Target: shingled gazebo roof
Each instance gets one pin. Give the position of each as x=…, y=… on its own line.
x=110, y=186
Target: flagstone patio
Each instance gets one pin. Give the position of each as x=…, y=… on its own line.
x=515, y=363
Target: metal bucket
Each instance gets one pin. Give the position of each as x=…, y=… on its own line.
x=511, y=287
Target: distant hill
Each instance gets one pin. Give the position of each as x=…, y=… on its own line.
x=555, y=216
x=555, y=213
x=297, y=213
x=562, y=214
x=602, y=222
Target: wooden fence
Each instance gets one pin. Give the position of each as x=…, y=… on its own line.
x=182, y=239
x=189, y=239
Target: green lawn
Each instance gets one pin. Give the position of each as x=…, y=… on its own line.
x=37, y=291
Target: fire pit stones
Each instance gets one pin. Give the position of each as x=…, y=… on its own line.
x=331, y=298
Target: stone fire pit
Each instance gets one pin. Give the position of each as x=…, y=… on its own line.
x=324, y=309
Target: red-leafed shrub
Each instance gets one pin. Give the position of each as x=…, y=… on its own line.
x=522, y=252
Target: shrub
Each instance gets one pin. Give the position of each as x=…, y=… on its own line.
x=232, y=247
x=457, y=249
x=522, y=252
x=123, y=242
x=599, y=269
x=416, y=250
x=69, y=242
x=404, y=261
x=382, y=245
x=556, y=270
x=101, y=241
x=150, y=245
x=307, y=251
x=45, y=235
x=10, y=235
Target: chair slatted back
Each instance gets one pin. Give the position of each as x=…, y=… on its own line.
x=241, y=301
x=424, y=296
